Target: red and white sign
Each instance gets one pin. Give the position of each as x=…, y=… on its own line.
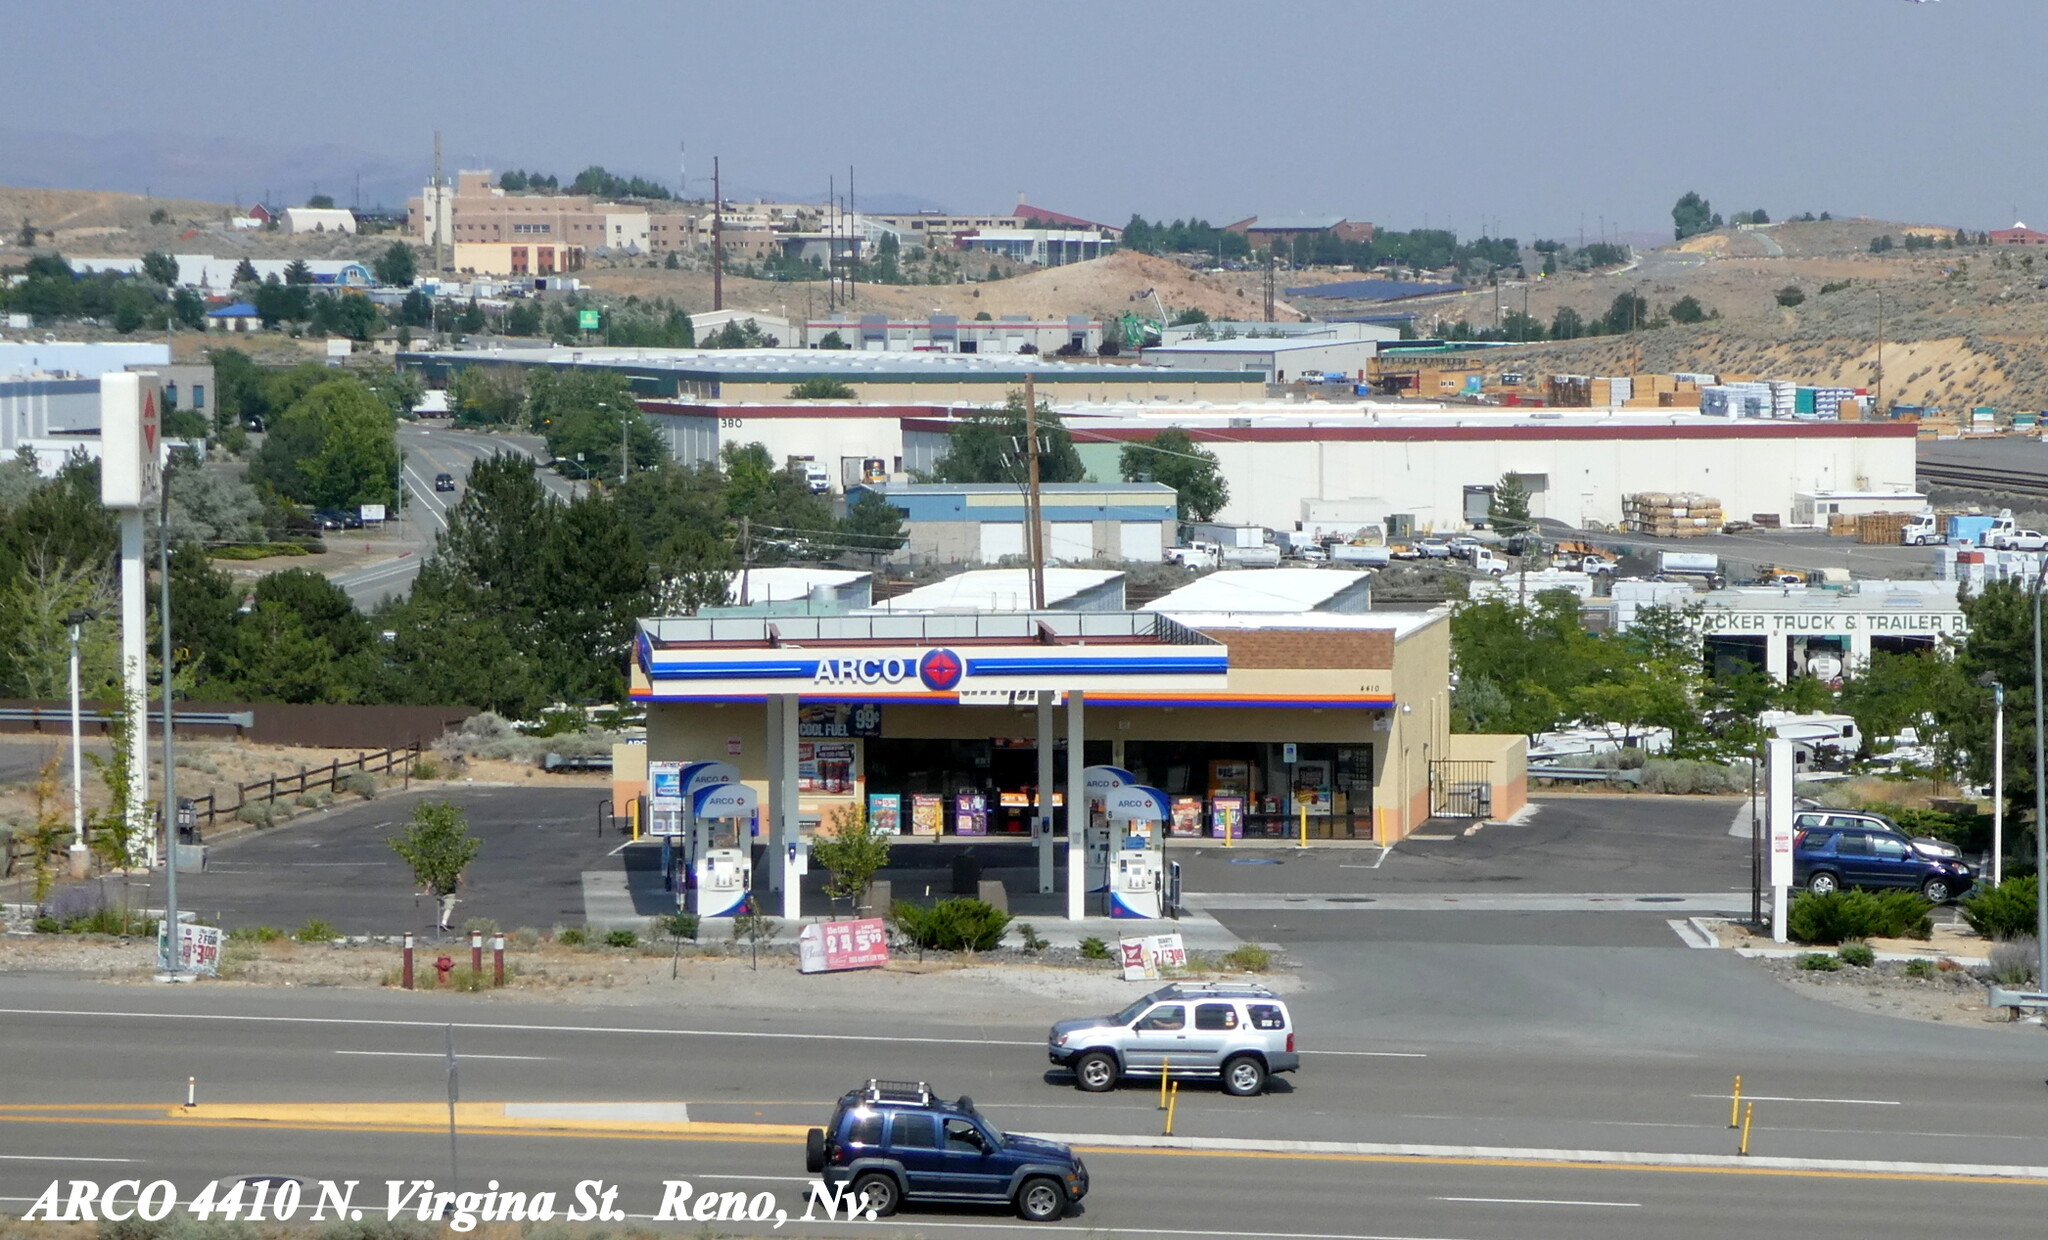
x=732, y=746
x=1146, y=959
x=832, y=946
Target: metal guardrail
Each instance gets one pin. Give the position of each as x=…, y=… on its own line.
x=2017, y=999
x=181, y=718
x=575, y=762
x=1585, y=774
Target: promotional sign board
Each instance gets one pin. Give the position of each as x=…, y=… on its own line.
x=588, y=320
x=834, y=946
x=130, y=465
x=838, y=720
x=664, y=798
x=1146, y=959
x=1187, y=816
x=371, y=513
x=927, y=813
x=970, y=814
x=198, y=948
x=1226, y=818
x=885, y=813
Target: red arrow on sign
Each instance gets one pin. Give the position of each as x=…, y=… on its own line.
x=149, y=425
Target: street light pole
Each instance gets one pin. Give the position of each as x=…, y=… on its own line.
x=75, y=621
x=172, y=962
x=2040, y=795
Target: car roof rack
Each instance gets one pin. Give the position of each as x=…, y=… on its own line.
x=1222, y=988
x=915, y=1092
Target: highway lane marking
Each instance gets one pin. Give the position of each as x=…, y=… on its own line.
x=1538, y=1201
x=1847, y=1102
x=442, y=1055
x=623, y=1029
x=65, y=1158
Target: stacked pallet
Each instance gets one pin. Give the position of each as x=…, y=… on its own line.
x=1667, y=515
x=1881, y=529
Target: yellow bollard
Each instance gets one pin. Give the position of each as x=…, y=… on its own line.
x=1747, y=1112
x=1172, y=1101
x=1304, y=824
x=1735, y=1103
x=1165, y=1070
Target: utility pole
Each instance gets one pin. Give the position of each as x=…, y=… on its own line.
x=717, y=239
x=1034, y=543
x=441, y=222
x=1269, y=285
x=853, y=239
x=1877, y=388
x=746, y=557
x=173, y=965
x=831, y=245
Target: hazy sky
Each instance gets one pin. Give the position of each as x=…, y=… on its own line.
x=1537, y=114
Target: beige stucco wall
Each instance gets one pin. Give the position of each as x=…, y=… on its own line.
x=1509, y=758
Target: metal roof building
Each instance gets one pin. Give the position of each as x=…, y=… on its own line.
x=1272, y=591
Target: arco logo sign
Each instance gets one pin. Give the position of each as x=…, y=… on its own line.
x=938, y=670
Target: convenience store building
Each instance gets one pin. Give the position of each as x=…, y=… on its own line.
x=948, y=724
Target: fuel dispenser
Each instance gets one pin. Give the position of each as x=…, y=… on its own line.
x=722, y=869
x=1137, y=869
x=1098, y=783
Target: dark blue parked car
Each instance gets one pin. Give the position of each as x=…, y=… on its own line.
x=894, y=1142
x=1831, y=851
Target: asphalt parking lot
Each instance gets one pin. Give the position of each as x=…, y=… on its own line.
x=1583, y=844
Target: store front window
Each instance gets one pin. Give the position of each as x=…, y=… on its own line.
x=981, y=787
x=1249, y=789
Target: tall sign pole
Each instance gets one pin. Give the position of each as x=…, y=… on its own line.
x=1034, y=542
x=717, y=238
x=1779, y=798
x=130, y=478
x=171, y=966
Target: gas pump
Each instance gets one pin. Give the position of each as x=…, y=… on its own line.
x=1098, y=783
x=669, y=812
x=722, y=873
x=1137, y=873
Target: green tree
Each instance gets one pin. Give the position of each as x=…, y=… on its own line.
x=160, y=267
x=321, y=202
x=1894, y=691
x=785, y=516
x=1691, y=215
x=1189, y=317
x=1567, y=324
x=486, y=396
x=245, y=273
x=1791, y=295
x=189, y=309
x=986, y=446
x=594, y=586
x=872, y=524
x=1522, y=663
x=1173, y=457
x=438, y=846
x=1628, y=312
x=1507, y=510
x=297, y=272
x=822, y=387
x=335, y=447
x=852, y=855
x=833, y=340
x=397, y=266
x=203, y=613
x=494, y=538
x=450, y=643
x=1687, y=309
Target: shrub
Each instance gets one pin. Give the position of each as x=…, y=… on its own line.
x=526, y=937
x=1093, y=948
x=573, y=936
x=679, y=925
x=48, y=925
x=621, y=938
x=1691, y=777
x=317, y=931
x=426, y=768
x=255, y=934
x=953, y=925
x=1858, y=953
x=480, y=925
x=1247, y=958
x=1029, y=934
x=259, y=814
x=362, y=784
x=1843, y=915
x=2012, y=961
x=2004, y=911
x=1920, y=968
x=1820, y=962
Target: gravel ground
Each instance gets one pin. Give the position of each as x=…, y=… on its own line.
x=1954, y=995
x=1006, y=984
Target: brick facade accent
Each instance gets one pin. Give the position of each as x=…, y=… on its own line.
x=1309, y=648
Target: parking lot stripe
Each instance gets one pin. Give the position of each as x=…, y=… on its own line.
x=1847, y=1102
x=1538, y=1201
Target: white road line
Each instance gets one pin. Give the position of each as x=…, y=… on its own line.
x=443, y=1055
x=1539, y=1201
x=1847, y=1102
x=1375, y=1054
x=66, y=1158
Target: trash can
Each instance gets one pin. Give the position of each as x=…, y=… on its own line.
x=966, y=875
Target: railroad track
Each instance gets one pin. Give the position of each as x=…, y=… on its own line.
x=1978, y=478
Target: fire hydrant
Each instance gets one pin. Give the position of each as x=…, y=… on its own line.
x=444, y=966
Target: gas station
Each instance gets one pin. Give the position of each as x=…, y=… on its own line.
x=987, y=727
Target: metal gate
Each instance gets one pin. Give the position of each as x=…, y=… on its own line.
x=1460, y=789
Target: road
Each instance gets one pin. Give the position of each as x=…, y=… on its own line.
x=1454, y=1134
x=431, y=448
x=1800, y=549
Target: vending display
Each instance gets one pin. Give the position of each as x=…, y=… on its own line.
x=927, y=814
x=1187, y=816
x=1226, y=818
x=970, y=813
x=885, y=813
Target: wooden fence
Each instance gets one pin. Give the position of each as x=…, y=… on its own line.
x=207, y=809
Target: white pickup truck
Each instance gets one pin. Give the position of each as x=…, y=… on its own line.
x=2020, y=540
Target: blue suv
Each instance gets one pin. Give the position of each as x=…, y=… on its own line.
x=1831, y=851
x=893, y=1142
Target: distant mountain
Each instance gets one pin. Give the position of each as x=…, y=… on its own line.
x=215, y=169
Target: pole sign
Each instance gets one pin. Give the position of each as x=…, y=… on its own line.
x=130, y=468
x=1779, y=799
x=587, y=320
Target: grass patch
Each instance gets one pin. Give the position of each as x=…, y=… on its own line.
x=1858, y=953
x=1093, y=948
x=317, y=931
x=1820, y=962
x=1247, y=958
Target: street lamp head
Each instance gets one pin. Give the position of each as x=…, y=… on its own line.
x=72, y=619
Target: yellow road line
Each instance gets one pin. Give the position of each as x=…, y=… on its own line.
x=773, y=1134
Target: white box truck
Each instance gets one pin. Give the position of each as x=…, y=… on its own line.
x=1694, y=565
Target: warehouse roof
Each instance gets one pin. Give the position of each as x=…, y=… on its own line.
x=1250, y=344
x=741, y=365
x=998, y=589
x=1402, y=623
x=774, y=585
x=1269, y=590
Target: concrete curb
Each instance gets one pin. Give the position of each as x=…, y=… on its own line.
x=1794, y=953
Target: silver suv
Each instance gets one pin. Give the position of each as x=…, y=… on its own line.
x=1236, y=1032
